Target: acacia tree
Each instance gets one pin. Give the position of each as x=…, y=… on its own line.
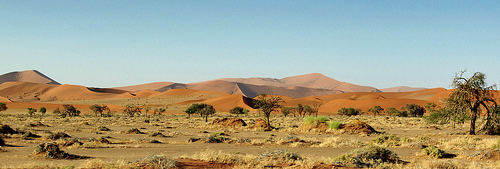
x=131, y=110
x=470, y=97
x=98, y=109
x=31, y=111
x=287, y=110
x=3, y=106
x=238, y=110
x=207, y=111
x=300, y=110
x=376, y=110
x=42, y=111
x=203, y=109
x=267, y=104
x=315, y=107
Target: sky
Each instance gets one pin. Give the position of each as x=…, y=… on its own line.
x=371, y=43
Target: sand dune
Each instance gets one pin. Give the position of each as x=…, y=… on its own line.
x=148, y=86
x=4, y=100
x=32, y=76
x=401, y=89
x=226, y=103
x=313, y=80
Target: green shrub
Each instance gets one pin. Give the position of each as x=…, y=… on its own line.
x=335, y=125
x=349, y=111
x=280, y=155
x=311, y=120
x=433, y=151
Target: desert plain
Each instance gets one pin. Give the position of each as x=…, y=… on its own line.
x=173, y=139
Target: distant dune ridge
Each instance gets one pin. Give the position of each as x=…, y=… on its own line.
x=314, y=84
x=32, y=88
x=32, y=76
x=401, y=89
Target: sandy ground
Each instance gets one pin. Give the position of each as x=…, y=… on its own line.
x=178, y=129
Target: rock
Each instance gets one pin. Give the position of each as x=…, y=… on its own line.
x=229, y=122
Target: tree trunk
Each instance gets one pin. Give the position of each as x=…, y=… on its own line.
x=472, y=130
x=206, y=118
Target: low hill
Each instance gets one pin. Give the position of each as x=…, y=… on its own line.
x=32, y=76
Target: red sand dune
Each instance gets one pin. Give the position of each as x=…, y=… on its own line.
x=226, y=103
x=187, y=92
x=4, y=100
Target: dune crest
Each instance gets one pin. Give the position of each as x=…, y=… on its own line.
x=32, y=76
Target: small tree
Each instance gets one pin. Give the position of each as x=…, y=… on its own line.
x=203, y=109
x=470, y=97
x=349, y=111
x=146, y=110
x=267, y=104
x=31, y=111
x=391, y=111
x=3, y=107
x=132, y=110
x=315, y=107
x=308, y=110
x=300, y=110
x=287, y=110
x=414, y=110
x=159, y=110
x=238, y=110
x=376, y=110
x=99, y=109
x=68, y=110
x=42, y=111
x=207, y=111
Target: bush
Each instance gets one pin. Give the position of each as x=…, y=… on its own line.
x=68, y=110
x=58, y=135
x=433, y=151
x=391, y=111
x=157, y=161
x=370, y=156
x=387, y=139
x=239, y=110
x=335, y=125
x=280, y=155
x=349, y=111
x=414, y=110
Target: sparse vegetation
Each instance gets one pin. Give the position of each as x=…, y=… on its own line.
x=268, y=104
x=376, y=110
x=470, y=97
x=413, y=110
x=31, y=111
x=433, y=151
x=349, y=111
x=335, y=125
x=3, y=106
x=370, y=156
x=99, y=110
x=238, y=110
x=67, y=111
x=132, y=110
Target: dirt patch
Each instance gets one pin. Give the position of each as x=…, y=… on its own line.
x=262, y=124
x=357, y=126
x=229, y=122
x=195, y=164
x=5, y=129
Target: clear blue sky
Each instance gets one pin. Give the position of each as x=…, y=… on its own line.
x=373, y=43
